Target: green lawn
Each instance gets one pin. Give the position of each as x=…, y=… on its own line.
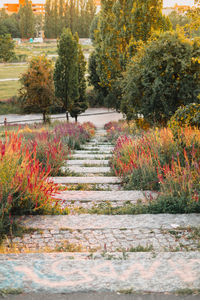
x=8, y=89
x=11, y=71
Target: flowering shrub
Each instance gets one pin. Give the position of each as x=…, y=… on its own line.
x=74, y=134
x=115, y=129
x=24, y=188
x=160, y=160
x=53, y=146
x=90, y=128
x=50, y=149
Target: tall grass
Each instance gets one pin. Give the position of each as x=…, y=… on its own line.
x=163, y=161
x=24, y=188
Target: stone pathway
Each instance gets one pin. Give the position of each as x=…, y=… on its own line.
x=154, y=253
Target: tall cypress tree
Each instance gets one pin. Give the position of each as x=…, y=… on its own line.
x=27, y=20
x=80, y=103
x=66, y=70
x=48, y=19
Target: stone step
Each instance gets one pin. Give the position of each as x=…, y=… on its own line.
x=90, y=156
x=115, y=197
x=80, y=152
x=136, y=233
x=89, y=199
x=101, y=144
x=87, y=221
x=87, y=162
x=91, y=180
x=68, y=273
x=86, y=170
x=97, y=148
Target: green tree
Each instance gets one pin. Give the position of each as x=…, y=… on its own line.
x=66, y=70
x=37, y=86
x=38, y=24
x=80, y=103
x=122, y=24
x=48, y=20
x=27, y=20
x=6, y=47
x=178, y=19
x=162, y=76
x=194, y=16
x=9, y=24
x=74, y=14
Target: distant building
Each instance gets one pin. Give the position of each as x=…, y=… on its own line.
x=180, y=9
x=38, y=8
x=98, y=5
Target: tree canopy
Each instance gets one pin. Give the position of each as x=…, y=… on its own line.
x=121, y=26
x=80, y=103
x=37, y=85
x=6, y=47
x=76, y=15
x=66, y=70
x=161, y=77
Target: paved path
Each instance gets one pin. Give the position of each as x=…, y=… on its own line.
x=64, y=272
x=161, y=233
x=94, y=115
x=128, y=253
x=9, y=79
x=101, y=296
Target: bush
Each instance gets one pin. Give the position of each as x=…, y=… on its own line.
x=188, y=115
x=10, y=106
x=74, y=134
x=162, y=76
x=50, y=148
x=163, y=161
x=24, y=188
x=115, y=129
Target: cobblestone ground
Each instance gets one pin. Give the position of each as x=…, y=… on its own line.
x=98, y=249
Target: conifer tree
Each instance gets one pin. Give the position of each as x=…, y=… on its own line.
x=27, y=21
x=7, y=46
x=80, y=103
x=66, y=70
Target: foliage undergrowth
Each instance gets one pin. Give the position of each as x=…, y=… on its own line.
x=116, y=129
x=28, y=156
x=164, y=161
x=24, y=188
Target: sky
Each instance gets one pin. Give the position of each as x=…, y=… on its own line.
x=167, y=3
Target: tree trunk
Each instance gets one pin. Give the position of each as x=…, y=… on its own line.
x=67, y=116
x=76, y=117
x=44, y=117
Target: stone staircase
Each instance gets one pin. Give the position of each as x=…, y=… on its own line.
x=90, y=252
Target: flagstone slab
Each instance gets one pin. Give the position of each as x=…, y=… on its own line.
x=98, y=148
x=89, y=170
x=92, y=180
x=74, y=272
x=87, y=221
x=91, y=155
x=92, y=152
x=112, y=196
x=87, y=162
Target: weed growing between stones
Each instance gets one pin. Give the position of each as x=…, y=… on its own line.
x=188, y=291
x=10, y=291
